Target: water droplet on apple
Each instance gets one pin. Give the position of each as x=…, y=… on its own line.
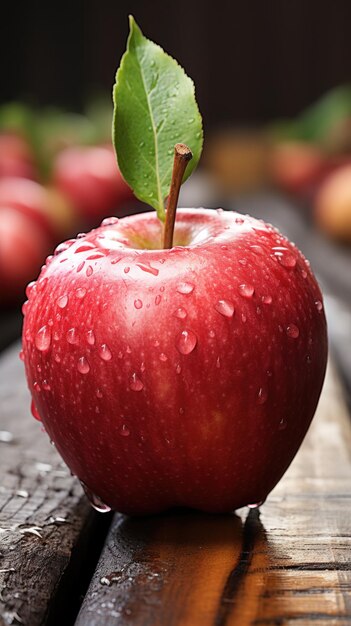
x=30, y=288
x=62, y=301
x=242, y=261
x=62, y=247
x=303, y=273
x=105, y=353
x=21, y=355
x=81, y=293
x=135, y=383
x=43, y=339
x=99, y=393
x=89, y=270
x=267, y=299
x=247, y=291
x=83, y=365
x=72, y=336
x=163, y=357
x=46, y=385
x=146, y=267
x=218, y=362
x=256, y=505
x=85, y=247
x=97, y=255
x=35, y=411
x=288, y=260
x=212, y=334
x=91, y=337
x=124, y=431
x=282, y=424
x=80, y=266
x=225, y=308
x=94, y=500
x=126, y=269
x=319, y=306
x=157, y=300
x=178, y=368
x=180, y=313
x=262, y=395
x=24, y=307
x=186, y=342
x=138, y=304
x=57, y=358
x=292, y=331
x=109, y=221
x=36, y=386
x=185, y=288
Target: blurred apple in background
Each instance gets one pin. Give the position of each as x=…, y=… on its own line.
x=46, y=206
x=24, y=245
x=333, y=205
x=90, y=178
x=296, y=167
x=16, y=158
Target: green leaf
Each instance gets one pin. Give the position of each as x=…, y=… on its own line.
x=319, y=119
x=155, y=108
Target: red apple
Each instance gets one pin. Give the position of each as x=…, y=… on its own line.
x=90, y=178
x=16, y=158
x=23, y=248
x=46, y=206
x=297, y=167
x=180, y=377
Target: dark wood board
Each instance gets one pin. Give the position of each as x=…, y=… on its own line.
x=44, y=518
x=290, y=564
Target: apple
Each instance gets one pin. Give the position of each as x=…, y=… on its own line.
x=90, y=178
x=176, y=377
x=16, y=158
x=333, y=204
x=46, y=206
x=23, y=248
x=297, y=167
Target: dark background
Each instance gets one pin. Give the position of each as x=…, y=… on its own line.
x=251, y=61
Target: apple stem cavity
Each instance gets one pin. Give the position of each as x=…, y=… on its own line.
x=182, y=156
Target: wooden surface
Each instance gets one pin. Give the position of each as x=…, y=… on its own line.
x=43, y=514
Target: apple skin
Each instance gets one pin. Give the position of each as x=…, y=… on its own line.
x=90, y=178
x=182, y=377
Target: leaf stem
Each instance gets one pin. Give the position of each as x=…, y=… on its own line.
x=182, y=155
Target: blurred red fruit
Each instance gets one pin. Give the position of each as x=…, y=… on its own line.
x=23, y=248
x=90, y=178
x=16, y=158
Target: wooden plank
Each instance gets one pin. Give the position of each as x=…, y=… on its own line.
x=43, y=515
x=287, y=565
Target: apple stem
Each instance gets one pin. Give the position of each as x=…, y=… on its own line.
x=182, y=155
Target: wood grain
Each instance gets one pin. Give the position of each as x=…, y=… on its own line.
x=288, y=564
x=43, y=515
